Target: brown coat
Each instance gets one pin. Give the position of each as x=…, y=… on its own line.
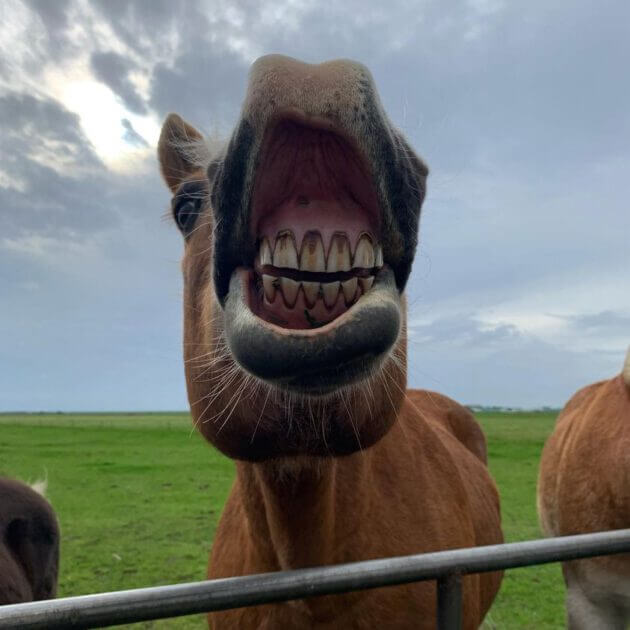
x=584, y=486
x=418, y=490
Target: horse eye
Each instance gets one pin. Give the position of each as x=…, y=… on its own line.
x=185, y=213
x=187, y=205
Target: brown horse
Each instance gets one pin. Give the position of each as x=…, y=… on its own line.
x=29, y=544
x=300, y=234
x=584, y=486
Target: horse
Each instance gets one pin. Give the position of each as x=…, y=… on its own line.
x=300, y=233
x=29, y=544
x=583, y=487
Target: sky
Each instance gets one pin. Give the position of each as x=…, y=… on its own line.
x=520, y=290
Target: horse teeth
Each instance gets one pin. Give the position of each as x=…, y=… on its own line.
x=290, y=290
x=349, y=288
x=311, y=291
x=266, y=256
x=285, y=253
x=339, y=254
x=312, y=256
x=331, y=291
x=366, y=283
x=364, y=253
x=269, y=286
x=378, y=256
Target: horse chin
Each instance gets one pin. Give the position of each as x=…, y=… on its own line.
x=320, y=360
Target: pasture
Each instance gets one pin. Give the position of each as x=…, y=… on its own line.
x=139, y=495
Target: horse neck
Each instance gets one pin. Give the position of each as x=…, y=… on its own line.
x=299, y=511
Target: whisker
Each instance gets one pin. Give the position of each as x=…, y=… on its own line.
x=262, y=411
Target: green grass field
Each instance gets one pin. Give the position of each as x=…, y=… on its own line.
x=139, y=495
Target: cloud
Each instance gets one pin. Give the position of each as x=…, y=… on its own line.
x=605, y=320
x=113, y=69
x=50, y=173
x=54, y=15
x=149, y=29
x=212, y=101
x=604, y=331
x=43, y=131
x=472, y=362
x=131, y=136
x=36, y=245
x=517, y=292
x=20, y=55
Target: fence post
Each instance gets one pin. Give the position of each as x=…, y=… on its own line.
x=449, y=602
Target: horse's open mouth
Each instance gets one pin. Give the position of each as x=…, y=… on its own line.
x=316, y=221
x=317, y=307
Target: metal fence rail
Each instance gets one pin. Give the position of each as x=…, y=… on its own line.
x=447, y=567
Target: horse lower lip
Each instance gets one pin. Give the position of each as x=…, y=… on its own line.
x=338, y=353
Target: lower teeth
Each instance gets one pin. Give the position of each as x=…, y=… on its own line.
x=328, y=292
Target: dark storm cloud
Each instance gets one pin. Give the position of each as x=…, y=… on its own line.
x=113, y=70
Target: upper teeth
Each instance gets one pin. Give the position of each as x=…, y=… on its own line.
x=312, y=255
x=266, y=257
x=339, y=254
x=364, y=254
x=284, y=253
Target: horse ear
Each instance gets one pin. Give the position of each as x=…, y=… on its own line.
x=178, y=150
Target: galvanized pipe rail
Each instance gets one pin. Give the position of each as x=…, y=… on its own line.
x=447, y=567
